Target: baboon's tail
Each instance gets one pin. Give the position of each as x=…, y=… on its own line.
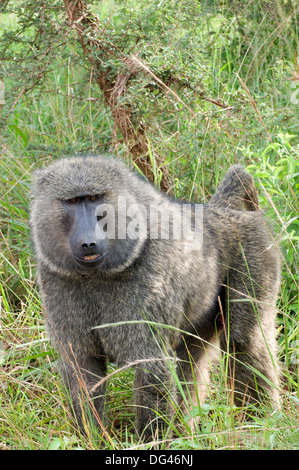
x=236, y=191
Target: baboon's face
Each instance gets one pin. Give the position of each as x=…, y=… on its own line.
x=87, y=240
x=77, y=217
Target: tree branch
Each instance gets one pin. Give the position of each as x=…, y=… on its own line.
x=87, y=28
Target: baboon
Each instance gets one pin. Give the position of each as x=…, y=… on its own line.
x=119, y=284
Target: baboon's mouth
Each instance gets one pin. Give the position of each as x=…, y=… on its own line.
x=90, y=261
x=91, y=257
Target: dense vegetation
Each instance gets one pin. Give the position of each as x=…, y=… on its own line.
x=180, y=90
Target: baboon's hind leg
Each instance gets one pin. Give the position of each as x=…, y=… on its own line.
x=249, y=338
x=195, y=359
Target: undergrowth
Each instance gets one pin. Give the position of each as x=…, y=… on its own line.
x=244, y=59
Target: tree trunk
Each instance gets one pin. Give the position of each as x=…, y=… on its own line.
x=113, y=89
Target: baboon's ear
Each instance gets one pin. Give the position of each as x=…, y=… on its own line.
x=37, y=176
x=41, y=178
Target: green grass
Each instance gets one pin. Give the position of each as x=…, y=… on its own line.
x=61, y=118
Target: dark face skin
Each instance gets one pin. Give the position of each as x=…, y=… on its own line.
x=88, y=250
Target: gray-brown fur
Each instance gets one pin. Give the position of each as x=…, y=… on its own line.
x=236, y=191
x=157, y=281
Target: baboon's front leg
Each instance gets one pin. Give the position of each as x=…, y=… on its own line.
x=85, y=380
x=155, y=398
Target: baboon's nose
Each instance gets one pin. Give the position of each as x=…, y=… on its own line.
x=89, y=245
x=90, y=250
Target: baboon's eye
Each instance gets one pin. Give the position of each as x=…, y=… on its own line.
x=94, y=197
x=73, y=200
